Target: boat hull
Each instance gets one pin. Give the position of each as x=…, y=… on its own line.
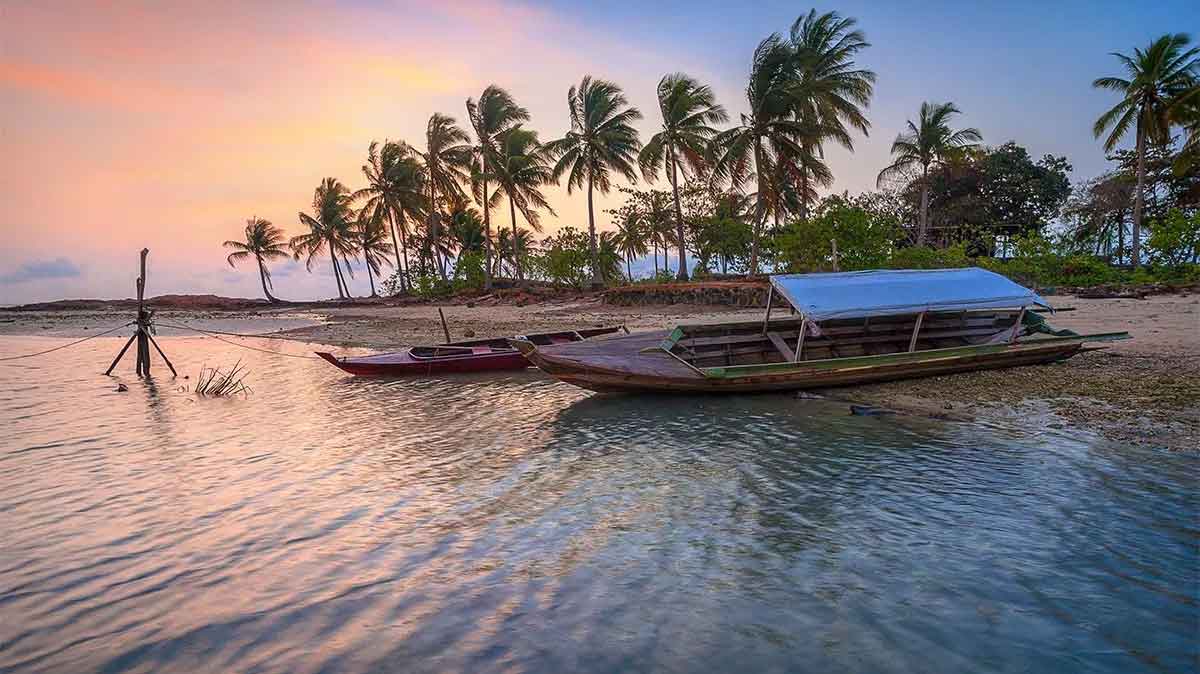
x=487, y=355
x=644, y=369
x=493, y=362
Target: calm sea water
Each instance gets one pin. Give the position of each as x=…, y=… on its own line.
x=515, y=524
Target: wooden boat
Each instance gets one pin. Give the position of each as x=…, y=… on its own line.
x=482, y=355
x=826, y=344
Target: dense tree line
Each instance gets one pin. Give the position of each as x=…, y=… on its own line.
x=463, y=205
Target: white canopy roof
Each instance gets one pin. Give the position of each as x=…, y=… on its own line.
x=859, y=294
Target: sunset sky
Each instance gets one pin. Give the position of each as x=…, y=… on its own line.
x=167, y=124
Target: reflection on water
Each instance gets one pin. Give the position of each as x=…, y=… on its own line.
x=328, y=523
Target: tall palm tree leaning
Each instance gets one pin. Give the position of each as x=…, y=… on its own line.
x=447, y=158
x=522, y=167
x=688, y=110
x=927, y=144
x=331, y=227
x=1160, y=78
x=395, y=186
x=372, y=230
x=765, y=135
x=830, y=92
x=265, y=242
x=491, y=116
x=601, y=140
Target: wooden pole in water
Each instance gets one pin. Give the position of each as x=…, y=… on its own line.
x=119, y=355
x=445, y=329
x=143, y=343
x=142, y=334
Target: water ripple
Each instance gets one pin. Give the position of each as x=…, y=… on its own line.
x=328, y=523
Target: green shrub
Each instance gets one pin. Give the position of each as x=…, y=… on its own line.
x=923, y=257
x=468, y=272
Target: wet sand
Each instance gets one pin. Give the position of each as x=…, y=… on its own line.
x=1144, y=390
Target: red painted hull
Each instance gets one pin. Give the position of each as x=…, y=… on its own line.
x=459, y=357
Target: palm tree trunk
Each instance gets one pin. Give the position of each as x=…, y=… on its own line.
x=1135, y=247
x=760, y=212
x=923, y=221
x=596, y=282
x=487, y=240
x=396, y=245
x=370, y=277
x=337, y=273
x=346, y=261
x=512, y=211
x=262, y=276
x=434, y=224
x=628, y=270
x=654, y=254
x=683, y=272
x=404, y=274
x=803, y=194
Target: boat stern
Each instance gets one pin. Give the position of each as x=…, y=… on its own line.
x=526, y=347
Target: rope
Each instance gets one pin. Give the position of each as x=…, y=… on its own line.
x=63, y=346
x=216, y=334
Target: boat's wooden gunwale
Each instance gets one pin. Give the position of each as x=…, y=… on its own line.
x=733, y=371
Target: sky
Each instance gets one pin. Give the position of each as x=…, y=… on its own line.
x=167, y=124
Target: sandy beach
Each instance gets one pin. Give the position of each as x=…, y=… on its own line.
x=1144, y=390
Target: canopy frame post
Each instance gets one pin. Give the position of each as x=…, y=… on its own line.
x=800, y=339
x=912, y=342
x=770, y=295
x=1016, y=330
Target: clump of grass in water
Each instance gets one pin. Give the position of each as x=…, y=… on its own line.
x=212, y=382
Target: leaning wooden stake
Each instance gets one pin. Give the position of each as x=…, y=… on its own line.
x=445, y=329
x=142, y=333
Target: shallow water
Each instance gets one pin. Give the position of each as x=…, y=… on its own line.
x=326, y=523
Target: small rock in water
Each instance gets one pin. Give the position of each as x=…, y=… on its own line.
x=121, y=388
x=470, y=305
x=468, y=333
x=808, y=395
x=868, y=411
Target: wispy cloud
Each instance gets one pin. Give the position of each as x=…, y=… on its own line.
x=41, y=270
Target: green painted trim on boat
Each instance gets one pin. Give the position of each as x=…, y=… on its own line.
x=668, y=342
x=734, y=371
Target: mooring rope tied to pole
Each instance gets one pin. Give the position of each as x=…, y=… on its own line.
x=64, y=346
x=216, y=334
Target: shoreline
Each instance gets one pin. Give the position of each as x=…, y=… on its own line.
x=1144, y=391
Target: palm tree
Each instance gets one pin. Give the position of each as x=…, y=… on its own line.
x=752, y=148
x=447, y=160
x=265, y=242
x=522, y=167
x=609, y=255
x=372, y=230
x=601, y=140
x=492, y=116
x=631, y=241
x=688, y=110
x=928, y=143
x=467, y=230
x=395, y=186
x=829, y=92
x=1159, y=78
x=514, y=247
x=331, y=227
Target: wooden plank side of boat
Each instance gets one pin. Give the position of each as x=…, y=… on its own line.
x=641, y=363
x=483, y=355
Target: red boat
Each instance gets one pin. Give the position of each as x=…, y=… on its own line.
x=482, y=355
